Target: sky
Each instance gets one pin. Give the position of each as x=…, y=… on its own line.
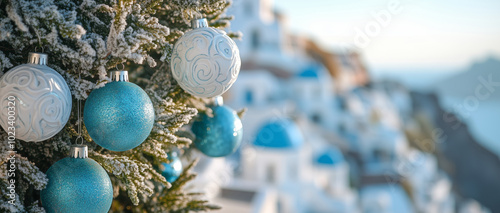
x=402, y=34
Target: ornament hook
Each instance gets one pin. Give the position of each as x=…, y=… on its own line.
x=79, y=109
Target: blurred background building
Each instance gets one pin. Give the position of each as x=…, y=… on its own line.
x=321, y=135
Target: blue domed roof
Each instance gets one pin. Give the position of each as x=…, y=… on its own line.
x=331, y=156
x=310, y=72
x=282, y=133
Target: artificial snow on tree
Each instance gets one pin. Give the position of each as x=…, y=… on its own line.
x=120, y=115
x=89, y=38
x=43, y=99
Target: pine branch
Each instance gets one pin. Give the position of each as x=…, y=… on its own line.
x=91, y=37
x=181, y=201
x=131, y=173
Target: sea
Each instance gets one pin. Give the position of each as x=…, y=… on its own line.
x=483, y=121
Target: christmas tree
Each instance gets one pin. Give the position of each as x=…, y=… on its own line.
x=85, y=39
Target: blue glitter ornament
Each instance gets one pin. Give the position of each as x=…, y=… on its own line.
x=120, y=115
x=219, y=135
x=171, y=171
x=77, y=184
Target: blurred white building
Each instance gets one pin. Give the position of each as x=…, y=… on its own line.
x=265, y=39
x=316, y=137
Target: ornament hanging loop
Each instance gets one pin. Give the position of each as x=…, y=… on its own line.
x=122, y=67
x=197, y=20
x=198, y=14
x=41, y=47
x=79, y=140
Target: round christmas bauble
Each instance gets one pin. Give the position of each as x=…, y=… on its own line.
x=36, y=97
x=77, y=184
x=120, y=115
x=219, y=135
x=205, y=61
x=171, y=171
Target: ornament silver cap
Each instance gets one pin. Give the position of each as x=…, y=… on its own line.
x=218, y=101
x=37, y=58
x=199, y=23
x=119, y=75
x=79, y=151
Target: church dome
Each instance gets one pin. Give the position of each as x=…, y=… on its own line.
x=310, y=71
x=282, y=133
x=330, y=156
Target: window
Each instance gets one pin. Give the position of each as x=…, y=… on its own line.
x=249, y=96
x=342, y=129
x=318, y=92
x=270, y=174
x=341, y=103
x=279, y=206
x=255, y=39
x=293, y=169
x=382, y=155
x=345, y=61
x=316, y=118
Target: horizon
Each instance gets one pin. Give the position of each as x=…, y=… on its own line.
x=392, y=35
x=413, y=78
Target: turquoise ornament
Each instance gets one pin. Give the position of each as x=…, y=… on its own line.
x=77, y=184
x=219, y=135
x=120, y=115
x=171, y=171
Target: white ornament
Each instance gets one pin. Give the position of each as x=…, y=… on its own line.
x=205, y=61
x=42, y=100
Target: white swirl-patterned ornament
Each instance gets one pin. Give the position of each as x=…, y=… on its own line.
x=42, y=100
x=205, y=61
